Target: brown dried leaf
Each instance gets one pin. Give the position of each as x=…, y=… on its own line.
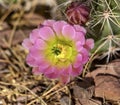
x=108, y=87
x=88, y=102
x=83, y=96
x=80, y=93
x=112, y=68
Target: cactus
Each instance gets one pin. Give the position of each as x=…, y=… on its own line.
x=105, y=21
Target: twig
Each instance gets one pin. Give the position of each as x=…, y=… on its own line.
x=46, y=93
x=6, y=14
x=15, y=27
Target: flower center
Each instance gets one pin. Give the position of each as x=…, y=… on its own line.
x=57, y=50
x=60, y=52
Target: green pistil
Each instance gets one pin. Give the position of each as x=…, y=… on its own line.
x=56, y=50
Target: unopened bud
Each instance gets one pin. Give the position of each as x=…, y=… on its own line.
x=77, y=13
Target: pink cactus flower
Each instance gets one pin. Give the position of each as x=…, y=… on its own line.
x=58, y=50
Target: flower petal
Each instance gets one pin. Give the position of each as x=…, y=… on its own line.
x=68, y=32
x=67, y=70
x=36, y=53
x=36, y=60
x=35, y=70
x=41, y=69
x=80, y=37
x=40, y=44
x=77, y=71
x=51, y=72
x=78, y=61
x=27, y=43
x=46, y=33
x=65, y=79
x=80, y=29
x=79, y=47
x=89, y=44
x=31, y=61
x=85, y=55
x=49, y=23
x=43, y=66
x=58, y=27
x=34, y=35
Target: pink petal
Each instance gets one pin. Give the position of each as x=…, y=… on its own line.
x=89, y=44
x=51, y=72
x=43, y=66
x=35, y=61
x=31, y=61
x=40, y=44
x=65, y=79
x=85, y=59
x=67, y=70
x=80, y=37
x=57, y=26
x=80, y=29
x=41, y=69
x=35, y=70
x=36, y=53
x=51, y=76
x=79, y=47
x=78, y=61
x=27, y=43
x=68, y=32
x=34, y=35
x=85, y=55
x=49, y=23
x=85, y=52
x=77, y=71
x=46, y=33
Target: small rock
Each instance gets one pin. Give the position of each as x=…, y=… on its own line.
x=108, y=87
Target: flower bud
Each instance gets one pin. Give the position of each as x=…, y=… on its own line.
x=77, y=13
